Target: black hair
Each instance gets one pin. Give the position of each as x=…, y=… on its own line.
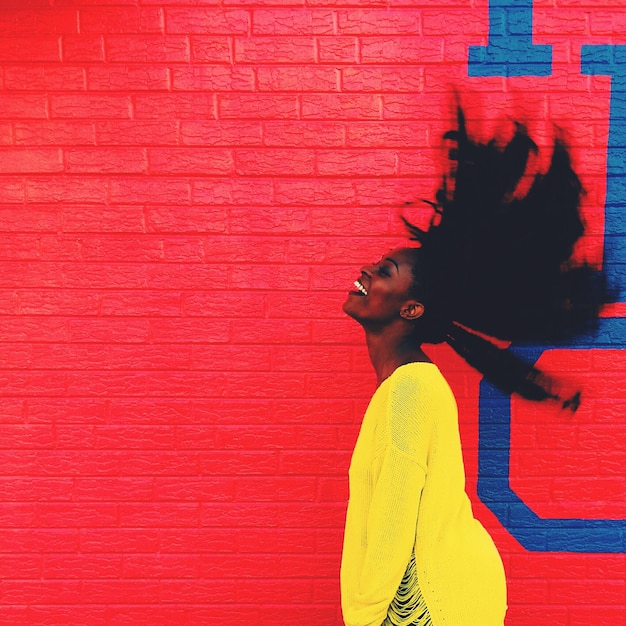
x=499, y=264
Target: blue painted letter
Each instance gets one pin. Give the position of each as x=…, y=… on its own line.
x=494, y=489
x=510, y=51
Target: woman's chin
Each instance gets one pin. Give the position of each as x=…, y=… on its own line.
x=350, y=309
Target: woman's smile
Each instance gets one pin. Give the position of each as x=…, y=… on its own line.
x=359, y=285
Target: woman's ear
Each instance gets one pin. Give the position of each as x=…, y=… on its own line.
x=412, y=310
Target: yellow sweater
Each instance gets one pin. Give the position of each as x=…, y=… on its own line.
x=407, y=495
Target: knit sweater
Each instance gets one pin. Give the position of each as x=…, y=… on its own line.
x=407, y=496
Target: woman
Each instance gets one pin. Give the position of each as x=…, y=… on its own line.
x=497, y=262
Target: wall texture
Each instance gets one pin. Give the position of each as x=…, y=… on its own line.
x=187, y=190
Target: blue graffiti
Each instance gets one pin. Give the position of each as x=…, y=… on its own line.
x=494, y=489
x=510, y=50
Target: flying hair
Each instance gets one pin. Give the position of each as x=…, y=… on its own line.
x=497, y=261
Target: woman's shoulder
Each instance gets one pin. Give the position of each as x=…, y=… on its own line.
x=419, y=385
x=417, y=375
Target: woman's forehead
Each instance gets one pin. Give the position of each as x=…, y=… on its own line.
x=401, y=255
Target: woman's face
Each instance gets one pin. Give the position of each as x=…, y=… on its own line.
x=381, y=293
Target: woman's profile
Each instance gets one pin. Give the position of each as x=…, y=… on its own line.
x=496, y=261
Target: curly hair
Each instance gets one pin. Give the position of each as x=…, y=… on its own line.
x=499, y=263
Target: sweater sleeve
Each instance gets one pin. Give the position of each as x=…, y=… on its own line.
x=392, y=516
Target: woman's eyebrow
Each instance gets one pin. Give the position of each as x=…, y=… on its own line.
x=392, y=261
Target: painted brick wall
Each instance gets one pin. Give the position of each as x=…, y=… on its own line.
x=187, y=189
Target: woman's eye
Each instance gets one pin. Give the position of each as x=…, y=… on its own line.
x=383, y=271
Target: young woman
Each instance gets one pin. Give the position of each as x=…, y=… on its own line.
x=494, y=261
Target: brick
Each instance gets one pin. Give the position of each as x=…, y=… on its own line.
x=128, y=330
x=190, y=161
x=127, y=78
x=19, y=247
x=356, y=163
x=381, y=22
x=42, y=78
x=344, y=107
x=136, y=132
x=203, y=489
x=106, y=384
x=305, y=304
x=186, y=276
x=90, y=106
x=296, y=78
x=299, y=133
x=145, y=303
x=397, y=79
x=100, y=218
x=275, y=50
x=278, y=162
x=204, y=330
x=607, y=22
x=6, y=134
x=18, y=106
x=261, y=106
x=221, y=133
x=185, y=219
x=262, y=277
x=149, y=410
x=267, y=249
x=277, y=540
x=201, y=21
x=397, y=193
x=82, y=48
x=153, y=190
x=326, y=192
x=146, y=49
x=13, y=192
x=208, y=303
x=91, y=566
x=54, y=591
x=401, y=106
x=57, y=356
x=121, y=20
x=31, y=23
x=244, y=385
x=185, y=250
x=31, y=437
x=210, y=49
x=337, y=49
x=351, y=3
x=129, y=438
x=42, y=48
x=213, y=78
x=115, y=248
x=268, y=221
x=105, y=161
x=32, y=219
x=122, y=275
x=232, y=191
x=385, y=134
x=406, y=49
x=175, y=106
x=292, y=21
x=209, y=412
x=31, y=160
x=54, y=133
x=31, y=274
x=420, y=163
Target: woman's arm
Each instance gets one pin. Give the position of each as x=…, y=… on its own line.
x=391, y=528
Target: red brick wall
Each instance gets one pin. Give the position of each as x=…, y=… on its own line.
x=187, y=189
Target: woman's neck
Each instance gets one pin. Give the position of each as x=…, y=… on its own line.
x=389, y=350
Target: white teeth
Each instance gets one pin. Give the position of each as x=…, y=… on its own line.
x=359, y=286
